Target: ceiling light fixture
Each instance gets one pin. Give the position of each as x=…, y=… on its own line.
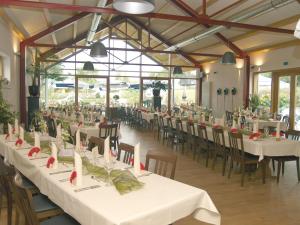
x=228, y=58
x=177, y=70
x=98, y=50
x=89, y=66
x=134, y=6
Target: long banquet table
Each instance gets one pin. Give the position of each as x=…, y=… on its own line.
x=263, y=147
x=161, y=201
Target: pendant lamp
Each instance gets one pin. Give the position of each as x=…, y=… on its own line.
x=134, y=6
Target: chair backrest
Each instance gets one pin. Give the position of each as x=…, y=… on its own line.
x=23, y=200
x=162, y=162
x=229, y=117
x=96, y=141
x=236, y=146
x=161, y=121
x=219, y=139
x=51, y=127
x=190, y=129
x=286, y=119
x=170, y=124
x=202, y=133
x=128, y=153
x=293, y=135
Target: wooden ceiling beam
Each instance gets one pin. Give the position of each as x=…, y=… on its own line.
x=187, y=9
x=80, y=8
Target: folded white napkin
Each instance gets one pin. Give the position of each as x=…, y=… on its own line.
x=91, y=116
x=10, y=133
x=95, y=153
x=203, y=118
x=137, y=167
x=255, y=127
x=78, y=168
x=37, y=142
x=54, y=155
x=81, y=118
x=233, y=124
x=21, y=135
x=239, y=122
x=278, y=130
x=107, y=150
x=77, y=146
x=16, y=126
x=58, y=131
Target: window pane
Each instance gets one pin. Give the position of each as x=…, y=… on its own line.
x=61, y=91
x=127, y=88
x=297, y=104
x=264, y=89
x=284, y=95
x=184, y=91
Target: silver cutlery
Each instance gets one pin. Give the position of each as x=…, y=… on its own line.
x=87, y=188
x=60, y=172
x=42, y=157
x=145, y=174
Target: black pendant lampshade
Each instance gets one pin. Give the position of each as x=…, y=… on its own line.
x=89, y=66
x=228, y=58
x=98, y=50
x=134, y=6
x=177, y=70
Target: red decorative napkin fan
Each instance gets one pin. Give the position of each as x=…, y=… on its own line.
x=19, y=142
x=234, y=130
x=50, y=162
x=254, y=135
x=142, y=166
x=216, y=126
x=73, y=177
x=35, y=150
x=274, y=134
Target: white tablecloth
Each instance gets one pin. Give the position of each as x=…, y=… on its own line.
x=148, y=116
x=264, y=123
x=264, y=147
x=162, y=201
x=89, y=131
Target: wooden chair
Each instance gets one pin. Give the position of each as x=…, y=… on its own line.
x=26, y=203
x=292, y=135
x=162, y=162
x=192, y=139
x=238, y=155
x=178, y=135
x=203, y=142
x=128, y=153
x=219, y=148
x=96, y=141
x=163, y=128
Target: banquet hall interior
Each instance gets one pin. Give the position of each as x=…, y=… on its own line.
x=154, y=112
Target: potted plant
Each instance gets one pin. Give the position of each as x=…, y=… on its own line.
x=6, y=116
x=254, y=102
x=33, y=71
x=156, y=87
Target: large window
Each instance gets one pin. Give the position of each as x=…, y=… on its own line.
x=1, y=67
x=264, y=89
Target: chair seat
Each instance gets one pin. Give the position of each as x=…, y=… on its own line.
x=285, y=158
x=60, y=220
x=27, y=183
x=41, y=203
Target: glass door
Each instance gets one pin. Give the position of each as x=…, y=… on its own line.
x=92, y=90
x=284, y=96
x=148, y=97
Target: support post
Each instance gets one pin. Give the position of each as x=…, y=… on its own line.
x=246, y=81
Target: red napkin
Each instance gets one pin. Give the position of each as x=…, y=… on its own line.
x=202, y=124
x=50, y=162
x=253, y=135
x=142, y=166
x=7, y=136
x=216, y=126
x=274, y=134
x=19, y=142
x=34, y=150
x=73, y=177
x=234, y=130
